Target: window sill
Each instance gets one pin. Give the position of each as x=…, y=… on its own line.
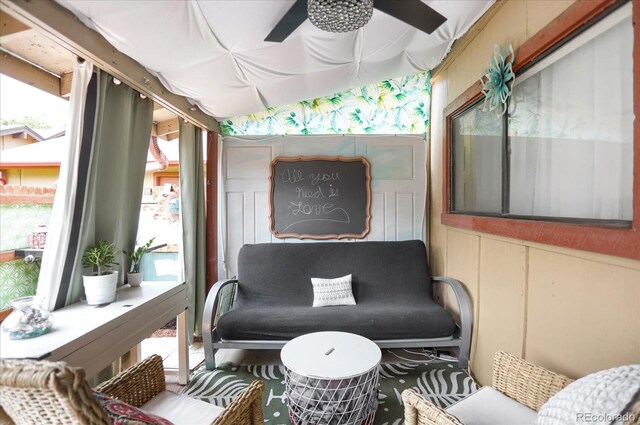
x=604, y=240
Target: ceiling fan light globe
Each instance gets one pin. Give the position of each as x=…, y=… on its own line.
x=339, y=15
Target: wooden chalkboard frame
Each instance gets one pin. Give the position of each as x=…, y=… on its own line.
x=272, y=167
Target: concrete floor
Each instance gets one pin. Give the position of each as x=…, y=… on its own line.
x=167, y=348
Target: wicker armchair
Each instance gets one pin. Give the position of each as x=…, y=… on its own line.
x=53, y=393
x=518, y=379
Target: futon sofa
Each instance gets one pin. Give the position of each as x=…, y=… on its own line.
x=270, y=301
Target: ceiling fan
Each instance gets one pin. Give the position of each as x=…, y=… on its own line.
x=348, y=15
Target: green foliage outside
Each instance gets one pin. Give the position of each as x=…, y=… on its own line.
x=28, y=120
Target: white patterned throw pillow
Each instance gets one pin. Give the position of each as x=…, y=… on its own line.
x=597, y=399
x=336, y=291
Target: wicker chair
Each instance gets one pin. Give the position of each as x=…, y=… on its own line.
x=53, y=393
x=528, y=384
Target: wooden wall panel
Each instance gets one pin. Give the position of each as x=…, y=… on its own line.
x=582, y=309
x=235, y=231
x=405, y=210
x=377, y=217
x=389, y=216
x=322, y=145
x=262, y=233
x=538, y=12
x=470, y=66
x=583, y=315
x=501, y=311
x=246, y=163
x=462, y=264
x=248, y=217
x=437, y=232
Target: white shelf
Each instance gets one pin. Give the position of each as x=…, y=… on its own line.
x=93, y=337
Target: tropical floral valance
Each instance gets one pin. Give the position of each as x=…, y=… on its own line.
x=394, y=106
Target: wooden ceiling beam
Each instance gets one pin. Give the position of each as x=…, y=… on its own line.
x=11, y=28
x=65, y=84
x=65, y=88
x=21, y=70
x=60, y=25
x=168, y=128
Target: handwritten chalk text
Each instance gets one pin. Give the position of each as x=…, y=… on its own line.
x=323, y=177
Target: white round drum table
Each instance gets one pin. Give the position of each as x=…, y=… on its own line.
x=331, y=379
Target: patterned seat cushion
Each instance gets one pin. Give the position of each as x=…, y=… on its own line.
x=122, y=413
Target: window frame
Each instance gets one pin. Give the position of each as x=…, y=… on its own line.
x=613, y=238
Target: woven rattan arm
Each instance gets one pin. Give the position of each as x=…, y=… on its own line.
x=4, y=418
x=466, y=318
x=138, y=384
x=633, y=414
x=418, y=411
x=47, y=393
x=525, y=382
x=213, y=309
x=246, y=409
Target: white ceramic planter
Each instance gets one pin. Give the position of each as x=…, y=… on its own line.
x=134, y=279
x=100, y=289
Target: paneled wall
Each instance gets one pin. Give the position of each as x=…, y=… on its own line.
x=398, y=186
x=571, y=311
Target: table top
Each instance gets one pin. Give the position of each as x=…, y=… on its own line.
x=79, y=324
x=330, y=355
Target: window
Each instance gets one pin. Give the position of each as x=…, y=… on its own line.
x=477, y=145
x=564, y=151
x=32, y=146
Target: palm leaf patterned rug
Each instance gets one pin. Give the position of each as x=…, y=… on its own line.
x=439, y=381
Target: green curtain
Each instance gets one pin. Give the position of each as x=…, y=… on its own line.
x=114, y=153
x=193, y=218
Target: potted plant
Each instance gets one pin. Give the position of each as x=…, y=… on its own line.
x=100, y=287
x=134, y=277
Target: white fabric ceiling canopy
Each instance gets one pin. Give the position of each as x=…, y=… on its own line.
x=213, y=51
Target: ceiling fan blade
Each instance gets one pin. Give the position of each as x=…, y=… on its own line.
x=412, y=12
x=289, y=22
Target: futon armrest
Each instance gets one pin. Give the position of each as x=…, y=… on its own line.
x=466, y=316
x=525, y=382
x=138, y=384
x=417, y=410
x=219, y=300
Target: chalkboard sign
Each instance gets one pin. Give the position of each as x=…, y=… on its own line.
x=320, y=197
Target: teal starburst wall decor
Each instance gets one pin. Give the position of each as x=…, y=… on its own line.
x=497, y=82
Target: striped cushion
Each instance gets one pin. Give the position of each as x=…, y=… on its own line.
x=336, y=291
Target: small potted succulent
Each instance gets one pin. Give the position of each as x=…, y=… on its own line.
x=134, y=277
x=100, y=287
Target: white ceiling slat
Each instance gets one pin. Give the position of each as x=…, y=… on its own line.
x=213, y=51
